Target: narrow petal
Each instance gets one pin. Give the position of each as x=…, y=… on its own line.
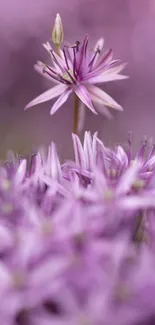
x=128, y=178
x=60, y=101
x=106, y=73
x=47, y=47
x=122, y=156
x=78, y=151
x=84, y=96
x=82, y=55
x=101, y=109
x=100, y=97
x=137, y=202
x=106, y=77
x=21, y=172
x=115, y=69
x=52, y=167
x=88, y=149
x=47, y=95
x=150, y=163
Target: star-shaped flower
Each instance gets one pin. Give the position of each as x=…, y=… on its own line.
x=75, y=70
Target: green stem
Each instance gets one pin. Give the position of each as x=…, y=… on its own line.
x=76, y=114
x=138, y=233
x=58, y=50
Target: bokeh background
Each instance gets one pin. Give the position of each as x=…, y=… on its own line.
x=128, y=26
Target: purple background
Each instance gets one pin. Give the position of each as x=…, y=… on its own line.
x=128, y=26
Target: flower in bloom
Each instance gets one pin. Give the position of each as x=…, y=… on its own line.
x=75, y=70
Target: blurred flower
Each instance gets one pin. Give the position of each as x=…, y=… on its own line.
x=74, y=69
x=74, y=237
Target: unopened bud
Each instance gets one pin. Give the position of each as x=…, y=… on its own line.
x=57, y=32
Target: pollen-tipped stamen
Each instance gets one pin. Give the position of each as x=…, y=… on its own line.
x=63, y=80
x=77, y=46
x=129, y=151
x=56, y=61
x=50, y=74
x=71, y=77
x=142, y=149
x=74, y=62
x=90, y=65
x=65, y=57
x=56, y=76
x=104, y=59
x=48, y=67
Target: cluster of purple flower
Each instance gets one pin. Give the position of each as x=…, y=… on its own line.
x=77, y=240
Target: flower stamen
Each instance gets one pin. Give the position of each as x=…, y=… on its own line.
x=90, y=65
x=65, y=56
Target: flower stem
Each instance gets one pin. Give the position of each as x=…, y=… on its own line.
x=138, y=233
x=58, y=50
x=76, y=114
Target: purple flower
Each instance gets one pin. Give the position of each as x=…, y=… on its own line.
x=75, y=70
x=77, y=240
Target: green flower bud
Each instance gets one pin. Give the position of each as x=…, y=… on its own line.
x=57, y=32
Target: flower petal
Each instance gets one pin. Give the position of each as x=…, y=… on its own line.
x=106, y=77
x=116, y=69
x=128, y=178
x=101, y=109
x=52, y=166
x=60, y=101
x=47, y=95
x=135, y=202
x=21, y=172
x=82, y=57
x=100, y=97
x=108, y=73
x=87, y=146
x=78, y=151
x=84, y=96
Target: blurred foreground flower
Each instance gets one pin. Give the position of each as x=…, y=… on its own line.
x=76, y=70
x=77, y=240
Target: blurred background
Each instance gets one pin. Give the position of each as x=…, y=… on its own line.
x=128, y=27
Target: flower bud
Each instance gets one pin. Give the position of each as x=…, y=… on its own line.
x=57, y=32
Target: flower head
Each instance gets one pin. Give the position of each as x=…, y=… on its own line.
x=75, y=70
